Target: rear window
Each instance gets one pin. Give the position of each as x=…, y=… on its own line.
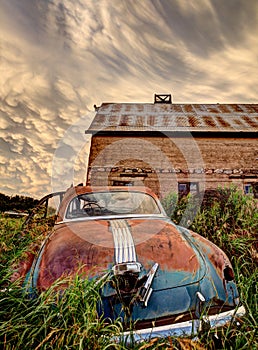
x=111, y=203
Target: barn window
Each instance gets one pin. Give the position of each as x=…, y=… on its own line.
x=184, y=188
x=248, y=189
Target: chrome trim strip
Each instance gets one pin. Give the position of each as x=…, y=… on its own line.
x=188, y=328
x=123, y=241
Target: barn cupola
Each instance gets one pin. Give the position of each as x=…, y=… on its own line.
x=163, y=98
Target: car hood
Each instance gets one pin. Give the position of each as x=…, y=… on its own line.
x=92, y=247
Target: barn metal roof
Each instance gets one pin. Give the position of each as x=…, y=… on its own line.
x=138, y=117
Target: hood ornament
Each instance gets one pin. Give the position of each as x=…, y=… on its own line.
x=128, y=283
x=145, y=290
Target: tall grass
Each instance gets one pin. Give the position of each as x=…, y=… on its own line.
x=49, y=322
x=230, y=220
x=16, y=240
x=11, y=244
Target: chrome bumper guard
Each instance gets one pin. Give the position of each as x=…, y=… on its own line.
x=188, y=328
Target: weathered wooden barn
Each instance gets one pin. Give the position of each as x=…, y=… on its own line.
x=174, y=147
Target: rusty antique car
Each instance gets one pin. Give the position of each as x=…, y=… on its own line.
x=166, y=278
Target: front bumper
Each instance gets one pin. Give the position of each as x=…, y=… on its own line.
x=187, y=328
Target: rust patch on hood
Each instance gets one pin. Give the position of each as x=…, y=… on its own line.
x=169, y=248
x=216, y=256
x=68, y=252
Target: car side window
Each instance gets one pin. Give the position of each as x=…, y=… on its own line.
x=46, y=209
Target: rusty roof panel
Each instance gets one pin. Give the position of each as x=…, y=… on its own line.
x=208, y=120
x=249, y=121
x=175, y=117
x=222, y=121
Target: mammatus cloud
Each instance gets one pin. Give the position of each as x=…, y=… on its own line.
x=58, y=58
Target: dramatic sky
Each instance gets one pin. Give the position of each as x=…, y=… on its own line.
x=60, y=57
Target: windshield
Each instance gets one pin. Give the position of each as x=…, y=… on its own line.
x=111, y=203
